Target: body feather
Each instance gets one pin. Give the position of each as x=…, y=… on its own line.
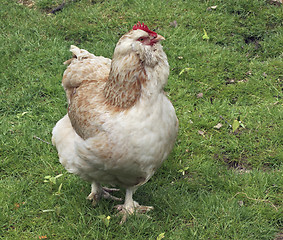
x=120, y=125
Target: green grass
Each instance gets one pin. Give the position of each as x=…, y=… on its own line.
x=216, y=184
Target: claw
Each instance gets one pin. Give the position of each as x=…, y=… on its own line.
x=111, y=189
x=94, y=198
x=137, y=209
x=102, y=192
x=107, y=195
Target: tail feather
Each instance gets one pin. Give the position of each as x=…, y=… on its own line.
x=79, y=54
x=63, y=138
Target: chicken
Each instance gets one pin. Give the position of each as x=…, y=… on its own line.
x=120, y=125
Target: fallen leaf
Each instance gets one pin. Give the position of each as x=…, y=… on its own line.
x=235, y=125
x=185, y=70
x=17, y=205
x=230, y=81
x=205, y=36
x=105, y=220
x=27, y=3
x=174, y=24
x=243, y=80
x=183, y=171
x=211, y=8
x=264, y=74
x=199, y=95
x=218, y=126
x=43, y=237
x=160, y=236
x=201, y=132
x=241, y=124
x=24, y=113
x=48, y=210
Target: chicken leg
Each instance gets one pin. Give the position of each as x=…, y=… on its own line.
x=130, y=206
x=97, y=192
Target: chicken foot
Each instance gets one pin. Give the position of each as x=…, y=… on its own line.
x=98, y=192
x=130, y=206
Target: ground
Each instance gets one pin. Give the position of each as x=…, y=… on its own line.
x=223, y=179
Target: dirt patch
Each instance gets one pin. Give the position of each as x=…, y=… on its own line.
x=240, y=166
x=279, y=236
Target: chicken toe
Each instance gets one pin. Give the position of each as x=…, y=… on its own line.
x=106, y=194
x=126, y=211
x=130, y=206
x=98, y=192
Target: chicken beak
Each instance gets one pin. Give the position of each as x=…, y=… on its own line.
x=159, y=38
x=156, y=39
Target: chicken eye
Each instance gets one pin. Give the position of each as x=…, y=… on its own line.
x=141, y=39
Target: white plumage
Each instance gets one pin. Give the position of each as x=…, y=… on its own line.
x=120, y=125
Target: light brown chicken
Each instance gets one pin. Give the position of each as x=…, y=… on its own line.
x=120, y=125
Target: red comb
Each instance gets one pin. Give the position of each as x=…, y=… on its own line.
x=144, y=28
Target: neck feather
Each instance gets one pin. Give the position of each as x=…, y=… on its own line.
x=126, y=79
